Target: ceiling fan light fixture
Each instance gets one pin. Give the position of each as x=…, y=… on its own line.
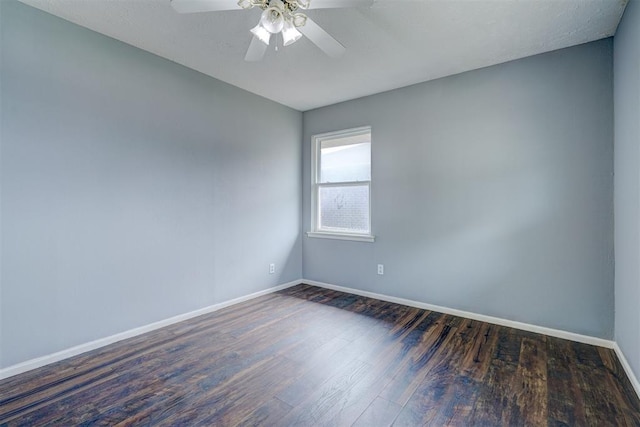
x=290, y=34
x=261, y=33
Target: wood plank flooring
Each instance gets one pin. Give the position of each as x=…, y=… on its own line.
x=308, y=356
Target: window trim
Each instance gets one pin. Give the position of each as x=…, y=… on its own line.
x=316, y=141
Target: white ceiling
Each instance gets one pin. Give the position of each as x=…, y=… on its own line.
x=392, y=44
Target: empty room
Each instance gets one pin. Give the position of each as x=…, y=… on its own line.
x=320, y=212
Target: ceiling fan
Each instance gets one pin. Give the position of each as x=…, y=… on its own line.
x=283, y=17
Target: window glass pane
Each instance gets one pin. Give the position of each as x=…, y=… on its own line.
x=344, y=163
x=344, y=209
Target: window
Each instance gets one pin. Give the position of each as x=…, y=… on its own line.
x=341, y=185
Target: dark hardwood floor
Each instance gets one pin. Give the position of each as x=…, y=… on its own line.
x=310, y=356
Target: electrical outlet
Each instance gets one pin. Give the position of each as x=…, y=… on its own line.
x=381, y=269
x=272, y=268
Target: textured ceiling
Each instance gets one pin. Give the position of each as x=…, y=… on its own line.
x=392, y=44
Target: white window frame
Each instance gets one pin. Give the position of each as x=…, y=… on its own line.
x=316, y=143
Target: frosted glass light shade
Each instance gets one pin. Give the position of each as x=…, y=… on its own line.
x=290, y=34
x=261, y=33
x=272, y=20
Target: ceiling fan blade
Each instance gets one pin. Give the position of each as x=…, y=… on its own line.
x=335, y=4
x=256, y=50
x=193, y=6
x=322, y=39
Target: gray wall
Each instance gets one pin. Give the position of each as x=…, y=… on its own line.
x=133, y=189
x=627, y=183
x=492, y=192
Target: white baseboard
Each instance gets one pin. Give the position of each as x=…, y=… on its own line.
x=627, y=369
x=83, y=348
x=474, y=316
x=73, y=351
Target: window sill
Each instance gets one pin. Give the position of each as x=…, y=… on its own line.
x=341, y=236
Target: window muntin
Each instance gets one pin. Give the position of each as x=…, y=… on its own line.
x=341, y=196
